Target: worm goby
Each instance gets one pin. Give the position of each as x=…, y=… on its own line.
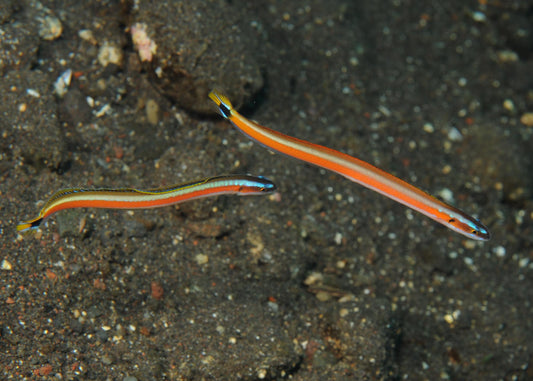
x=355, y=170
x=130, y=198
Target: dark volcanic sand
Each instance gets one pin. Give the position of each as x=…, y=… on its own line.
x=325, y=280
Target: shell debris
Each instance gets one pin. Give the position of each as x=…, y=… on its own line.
x=50, y=27
x=62, y=83
x=145, y=46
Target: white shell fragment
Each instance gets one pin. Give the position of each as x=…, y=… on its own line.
x=145, y=46
x=50, y=27
x=109, y=53
x=34, y=93
x=62, y=83
x=87, y=35
x=6, y=265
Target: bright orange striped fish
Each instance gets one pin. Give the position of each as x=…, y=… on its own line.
x=355, y=170
x=129, y=198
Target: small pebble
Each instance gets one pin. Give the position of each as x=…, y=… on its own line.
x=479, y=16
x=201, y=259
x=323, y=296
x=103, y=110
x=527, y=119
x=62, y=83
x=50, y=28
x=523, y=262
x=33, y=93
x=428, y=127
x=152, y=111
x=87, y=35
x=338, y=238
x=144, y=45
x=448, y=318
x=469, y=244
x=157, y=290
x=499, y=251
x=109, y=54
x=505, y=56
x=508, y=104
x=6, y=265
x=354, y=61
x=454, y=134
x=313, y=278
x=346, y=298
x=446, y=194
x=274, y=307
